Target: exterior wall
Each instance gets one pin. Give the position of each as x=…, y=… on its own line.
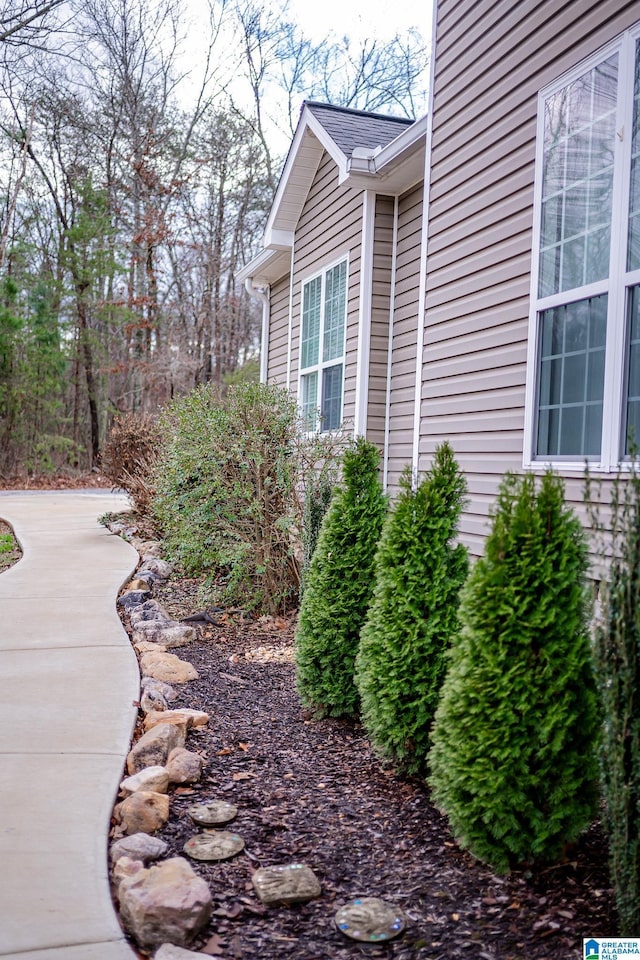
x=278, y=332
x=329, y=228
x=480, y=223
x=380, y=312
x=404, y=343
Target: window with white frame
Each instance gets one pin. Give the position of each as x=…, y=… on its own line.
x=324, y=313
x=584, y=399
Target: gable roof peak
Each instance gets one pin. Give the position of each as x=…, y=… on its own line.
x=315, y=105
x=351, y=129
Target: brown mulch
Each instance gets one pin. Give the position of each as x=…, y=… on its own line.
x=312, y=791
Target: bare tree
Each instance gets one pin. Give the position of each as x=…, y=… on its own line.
x=26, y=23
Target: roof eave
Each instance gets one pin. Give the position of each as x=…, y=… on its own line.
x=265, y=268
x=297, y=176
x=398, y=166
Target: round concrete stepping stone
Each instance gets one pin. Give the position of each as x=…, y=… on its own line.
x=290, y=883
x=214, y=845
x=370, y=920
x=215, y=813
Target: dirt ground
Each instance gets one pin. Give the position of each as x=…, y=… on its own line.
x=313, y=792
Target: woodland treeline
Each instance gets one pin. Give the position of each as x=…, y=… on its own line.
x=140, y=146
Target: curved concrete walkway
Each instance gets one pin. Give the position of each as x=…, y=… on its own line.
x=68, y=679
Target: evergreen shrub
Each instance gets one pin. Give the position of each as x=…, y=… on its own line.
x=317, y=498
x=513, y=761
x=225, y=493
x=229, y=488
x=339, y=586
x=413, y=616
x=617, y=648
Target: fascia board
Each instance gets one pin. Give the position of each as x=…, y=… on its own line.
x=396, y=167
x=294, y=185
x=266, y=267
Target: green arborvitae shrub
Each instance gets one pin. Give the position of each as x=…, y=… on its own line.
x=413, y=616
x=317, y=498
x=339, y=587
x=513, y=761
x=617, y=646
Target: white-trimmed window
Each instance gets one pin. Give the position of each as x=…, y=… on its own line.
x=322, y=344
x=583, y=387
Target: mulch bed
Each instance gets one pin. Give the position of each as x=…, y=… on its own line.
x=312, y=791
x=10, y=551
x=74, y=480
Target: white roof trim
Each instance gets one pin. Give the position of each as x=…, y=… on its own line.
x=265, y=268
x=395, y=167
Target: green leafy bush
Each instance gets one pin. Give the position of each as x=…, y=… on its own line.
x=226, y=492
x=413, y=616
x=339, y=587
x=129, y=457
x=513, y=762
x=617, y=647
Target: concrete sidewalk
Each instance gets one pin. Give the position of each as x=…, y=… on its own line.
x=68, y=679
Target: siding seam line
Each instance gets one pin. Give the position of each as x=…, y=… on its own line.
x=392, y=308
x=364, y=314
x=422, y=302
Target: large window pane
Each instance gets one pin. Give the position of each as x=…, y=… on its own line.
x=335, y=306
x=331, y=410
x=632, y=423
x=571, y=379
x=311, y=293
x=324, y=311
x=579, y=138
x=309, y=400
x=633, y=255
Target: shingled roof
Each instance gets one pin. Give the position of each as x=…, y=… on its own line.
x=356, y=128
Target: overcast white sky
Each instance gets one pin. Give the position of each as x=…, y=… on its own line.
x=362, y=18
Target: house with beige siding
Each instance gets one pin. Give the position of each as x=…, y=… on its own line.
x=490, y=253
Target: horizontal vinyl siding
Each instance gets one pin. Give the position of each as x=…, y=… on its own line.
x=278, y=332
x=380, y=309
x=329, y=229
x=405, y=334
x=480, y=224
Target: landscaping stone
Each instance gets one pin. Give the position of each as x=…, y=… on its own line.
x=290, y=883
x=148, y=684
x=125, y=867
x=154, y=746
x=133, y=599
x=170, y=633
x=143, y=812
x=147, y=646
x=156, y=566
x=150, y=549
x=169, y=951
x=152, y=701
x=149, y=610
x=154, y=778
x=215, y=813
x=214, y=845
x=370, y=920
x=138, y=846
x=136, y=584
x=184, y=766
x=168, y=902
x=167, y=667
x=192, y=718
